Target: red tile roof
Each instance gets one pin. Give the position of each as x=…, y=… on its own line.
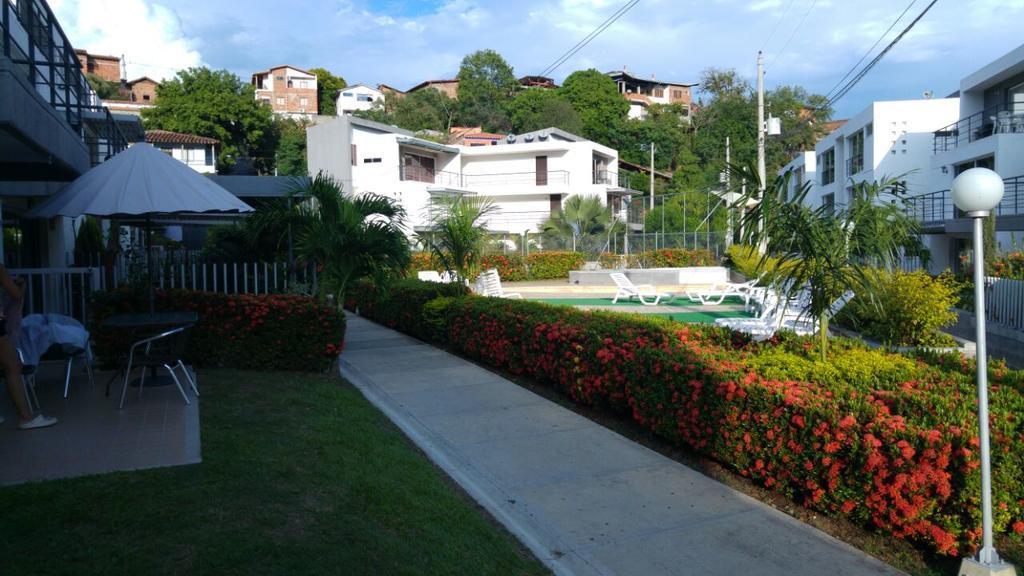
x=167, y=137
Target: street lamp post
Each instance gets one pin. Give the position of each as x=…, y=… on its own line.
x=977, y=192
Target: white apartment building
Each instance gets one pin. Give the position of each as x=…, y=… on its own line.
x=358, y=97
x=988, y=132
x=528, y=176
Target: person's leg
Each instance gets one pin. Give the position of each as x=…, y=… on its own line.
x=12, y=374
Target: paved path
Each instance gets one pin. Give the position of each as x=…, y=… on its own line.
x=584, y=499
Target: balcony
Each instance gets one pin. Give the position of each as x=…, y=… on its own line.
x=611, y=179
x=483, y=181
x=934, y=209
x=854, y=165
x=999, y=119
x=56, y=126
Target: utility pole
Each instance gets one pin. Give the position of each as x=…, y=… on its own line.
x=761, y=129
x=652, y=177
x=728, y=197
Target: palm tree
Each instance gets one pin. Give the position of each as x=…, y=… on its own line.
x=580, y=216
x=826, y=250
x=348, y=237
x=458, y=234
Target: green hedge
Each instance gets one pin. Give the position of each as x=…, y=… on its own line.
x=511, y=267
x=553, y=265
x=250, y=332
x=672, y=258
x=882, y=439
x=401, y=305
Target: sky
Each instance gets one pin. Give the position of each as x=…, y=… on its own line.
x=812, y=43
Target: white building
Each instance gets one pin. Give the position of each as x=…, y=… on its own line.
x=989, y=133
x=358, y=97
x=289, y=91
x=528, y=176
x=803, y=169
x=197, y=152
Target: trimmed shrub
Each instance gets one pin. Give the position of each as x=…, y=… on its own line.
x=401, y=305
x=244, y=331
x=672, y=258
x=905, y=309
x=747, y=261
x=610, y=261
x=553, y=265
x=511, y=267
x=880, y=438
x=423, y=262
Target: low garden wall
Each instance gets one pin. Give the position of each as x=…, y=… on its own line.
x=886, y=440
x=253, y=332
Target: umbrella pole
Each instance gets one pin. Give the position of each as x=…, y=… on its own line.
x=149, y=265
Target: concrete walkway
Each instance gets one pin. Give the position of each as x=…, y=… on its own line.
x=584, y=499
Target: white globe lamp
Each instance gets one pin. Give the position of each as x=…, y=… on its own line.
x=977, y=192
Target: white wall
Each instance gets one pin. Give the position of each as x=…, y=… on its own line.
x=348, y=98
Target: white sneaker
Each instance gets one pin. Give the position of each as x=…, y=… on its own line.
x=39, y=421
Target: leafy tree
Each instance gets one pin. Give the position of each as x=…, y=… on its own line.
x=105, y=89
x=327, y=87
x=580, y=217
x=215, y=104
x=420, y=110
x=458, y=236
x=290, y=159
x=664, y=126
x=486, y=82
x=823, y=250
x=598, y=102
x=348, y=237
x=537, y=108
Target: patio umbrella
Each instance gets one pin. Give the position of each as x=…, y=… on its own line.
x=140, y=183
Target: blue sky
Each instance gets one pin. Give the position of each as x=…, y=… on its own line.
x=402, y=42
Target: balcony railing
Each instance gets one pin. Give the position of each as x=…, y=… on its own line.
x=610, y=178
x=41, y=54
x=998, y=119
x=454, y=179
x=854, y=165
x=935, y=208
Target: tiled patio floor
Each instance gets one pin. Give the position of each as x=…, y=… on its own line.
x=93, y=436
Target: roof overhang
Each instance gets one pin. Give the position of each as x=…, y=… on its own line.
x=426, y=145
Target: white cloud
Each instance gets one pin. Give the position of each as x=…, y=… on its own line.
x=148, y=34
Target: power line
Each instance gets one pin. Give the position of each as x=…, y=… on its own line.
x=589, y=37
x=873, y=46
x=793, y=34
x=853, y=82
x=777, y=23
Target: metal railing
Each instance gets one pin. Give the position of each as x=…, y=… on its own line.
x=610, y=178
x=62, y=291
x=998, y=119
x=854, y=165
x=454, y=179
x=937, y=207
x=41, y=54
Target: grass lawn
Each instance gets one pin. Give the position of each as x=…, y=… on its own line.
x=300, y=475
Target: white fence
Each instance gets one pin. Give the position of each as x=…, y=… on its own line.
x=235, y=277
x=58, y=290
x=1004, y=302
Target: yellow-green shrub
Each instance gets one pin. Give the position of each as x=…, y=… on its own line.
x=748, y=261
x=904, y=308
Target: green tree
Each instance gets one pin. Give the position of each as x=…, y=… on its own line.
x=486, y=82
x=420, y=110
x=580, y=217
x=215, y=104
x=105, y=89
x=596, y=99
x=823, y=250
x=458, y=236
x=537, y=108
x=290, y=159
x=327, y=87
x=348, y=237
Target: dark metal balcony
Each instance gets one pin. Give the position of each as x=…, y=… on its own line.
x=934, y=209
x=998, y=119
x=55, y=126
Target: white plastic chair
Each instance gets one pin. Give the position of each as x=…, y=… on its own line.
x=489, y=284
x=645, y=293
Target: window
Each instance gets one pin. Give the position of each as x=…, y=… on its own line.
x=829, y=202
x=364, y=98
x=659, y=92
x=145, y=96
x=542, y=170
x=827, y=161
x=266, y=99
x=303, y=101
x=855, y=163
x=371, y=160
x=280, y=100
x=352, y=151
x=289, y=82
x=685, y=112
x=195, y=156
x=677, y=94
x=1015, y=99
x=208, y=161
x=556, y=203
x=346, y=94
x=870, y=129
x=417, y=168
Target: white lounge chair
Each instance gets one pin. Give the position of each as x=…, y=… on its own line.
x=645, y=293
x=717, y=293
x=429, y=276
x=489, y=284
x=801, y=324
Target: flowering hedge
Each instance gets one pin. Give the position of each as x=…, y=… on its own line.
x=888, y=442
x=258, y=332
x=511, y=267
x=401, y=304
x=553, y=265
x=673, y=258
